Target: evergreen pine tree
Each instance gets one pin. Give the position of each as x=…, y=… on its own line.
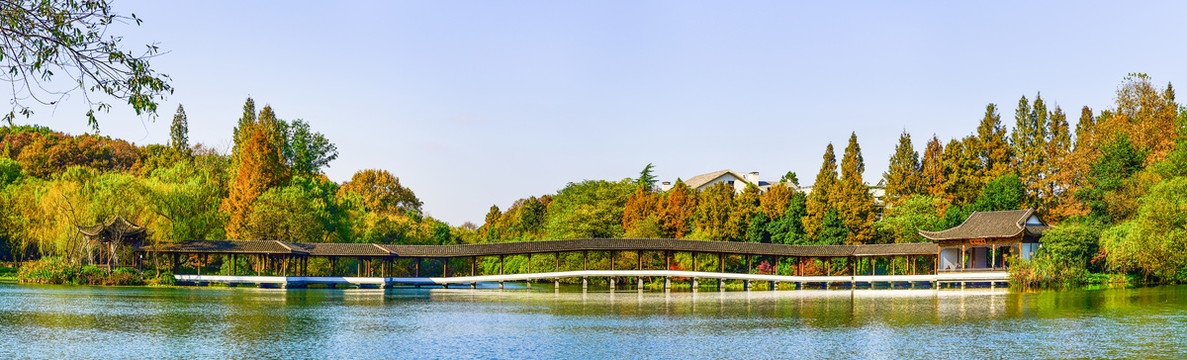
x=179, y=138
x=820, y=199
x=993, y=150
x=904, y=175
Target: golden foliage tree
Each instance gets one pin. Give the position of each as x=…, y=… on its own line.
x=1029, y=141
x=962, y=184
x=713, y=218
x=993, y=150
x=852, y=197
x=774, y=202
x=640, y=206
x=380, y=191
x=932, y=167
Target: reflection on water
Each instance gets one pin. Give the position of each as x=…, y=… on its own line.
x=71, y=322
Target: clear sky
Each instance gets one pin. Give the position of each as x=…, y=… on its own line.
x=478, y=103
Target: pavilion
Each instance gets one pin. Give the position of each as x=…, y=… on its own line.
x=986, y=239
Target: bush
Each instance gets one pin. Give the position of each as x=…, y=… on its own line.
x=124, y=276
x=48, y=270
x=1041, y=272
x=164, y=279
x=90, y=275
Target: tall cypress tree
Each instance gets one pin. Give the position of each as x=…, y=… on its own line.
x=179, y=131
x=904, y=176
x=820, y=199
x=853, y=199
x=993, y=150
x=932, y=167
x=1029, y=142
x=1056, y=179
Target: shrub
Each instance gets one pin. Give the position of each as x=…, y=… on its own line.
x=1041, y=272
x=48, y=270
x=90, y=275
x=164, y=279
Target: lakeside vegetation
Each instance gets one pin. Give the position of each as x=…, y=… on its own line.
x=1112, y=188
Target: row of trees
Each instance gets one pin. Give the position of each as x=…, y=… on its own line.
x=270, y=186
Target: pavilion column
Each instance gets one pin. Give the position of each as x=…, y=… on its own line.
x=584, y=260
x=473, y=265
x=667, y=260
x=694, y=261
x=445, y=267
x=993, y=256
x=416, y=272
x=963, y=254
x=500, y=264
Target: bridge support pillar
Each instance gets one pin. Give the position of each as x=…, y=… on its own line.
x=639, y=279
x=612, y=283
x=528, y=284
x=667, y=283
x=584, y=282
x=962, y=285
x=445, y=286
x=827, y=285
x=746, y=285
x=720, y=284
x=773, y=285
x=473, y=285
x=500, y=285
x=696, y=284
x=556, y=284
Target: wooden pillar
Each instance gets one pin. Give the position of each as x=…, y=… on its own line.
x=721, y=261
x=612, y=258
x=584, y=260
x=557, y=257
x=444, y=267
x=529, y=264
x=416, y=268
x=963, y=261
x=667, y=260
x=639, y=256
x=694, y=261
x=749, y=268
x=501, y=265
x=799, y=268
x=993, y=256
x=473, y=265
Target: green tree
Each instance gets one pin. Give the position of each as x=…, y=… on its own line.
x=10, y=172
x=1029, y=141
x=42, y=39
x=789, y=228
x=307, y=152
x=790, y=178
x=646, y=179
x=911, y=214
x=589, y=209
x=187, y=198
x=1152, y=242
x=1055, y=181
x=904, y=176
x=832, y=229
x=820, y=199
x=304, y=211
x=179, y=131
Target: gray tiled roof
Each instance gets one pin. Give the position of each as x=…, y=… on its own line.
x=989, y=224
x=526, y=247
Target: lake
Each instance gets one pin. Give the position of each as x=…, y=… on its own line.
x=131, y=322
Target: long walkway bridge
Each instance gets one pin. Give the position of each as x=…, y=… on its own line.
x=607, y=262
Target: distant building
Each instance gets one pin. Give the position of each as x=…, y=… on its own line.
x=734, y=179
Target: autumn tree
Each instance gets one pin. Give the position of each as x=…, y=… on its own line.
x=747, y=211
x=820, y=198
x=714, y=210
x=1055, y=181
x=380, y=191
x=257, y=167
x=679, y=208
x=993, y=148
x=852, y=197
x=641, y=206
x=962, y=171
x=932, y=167
x=775, y=200
x=904, y=176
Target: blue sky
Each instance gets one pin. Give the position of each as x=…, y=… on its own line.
x=478, y=103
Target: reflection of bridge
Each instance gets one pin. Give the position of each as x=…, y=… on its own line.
x=288, y=264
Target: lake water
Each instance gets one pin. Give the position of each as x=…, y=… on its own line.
x=64, y=322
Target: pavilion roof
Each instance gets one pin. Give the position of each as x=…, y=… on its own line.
x=116, y=226
x=990, y=224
